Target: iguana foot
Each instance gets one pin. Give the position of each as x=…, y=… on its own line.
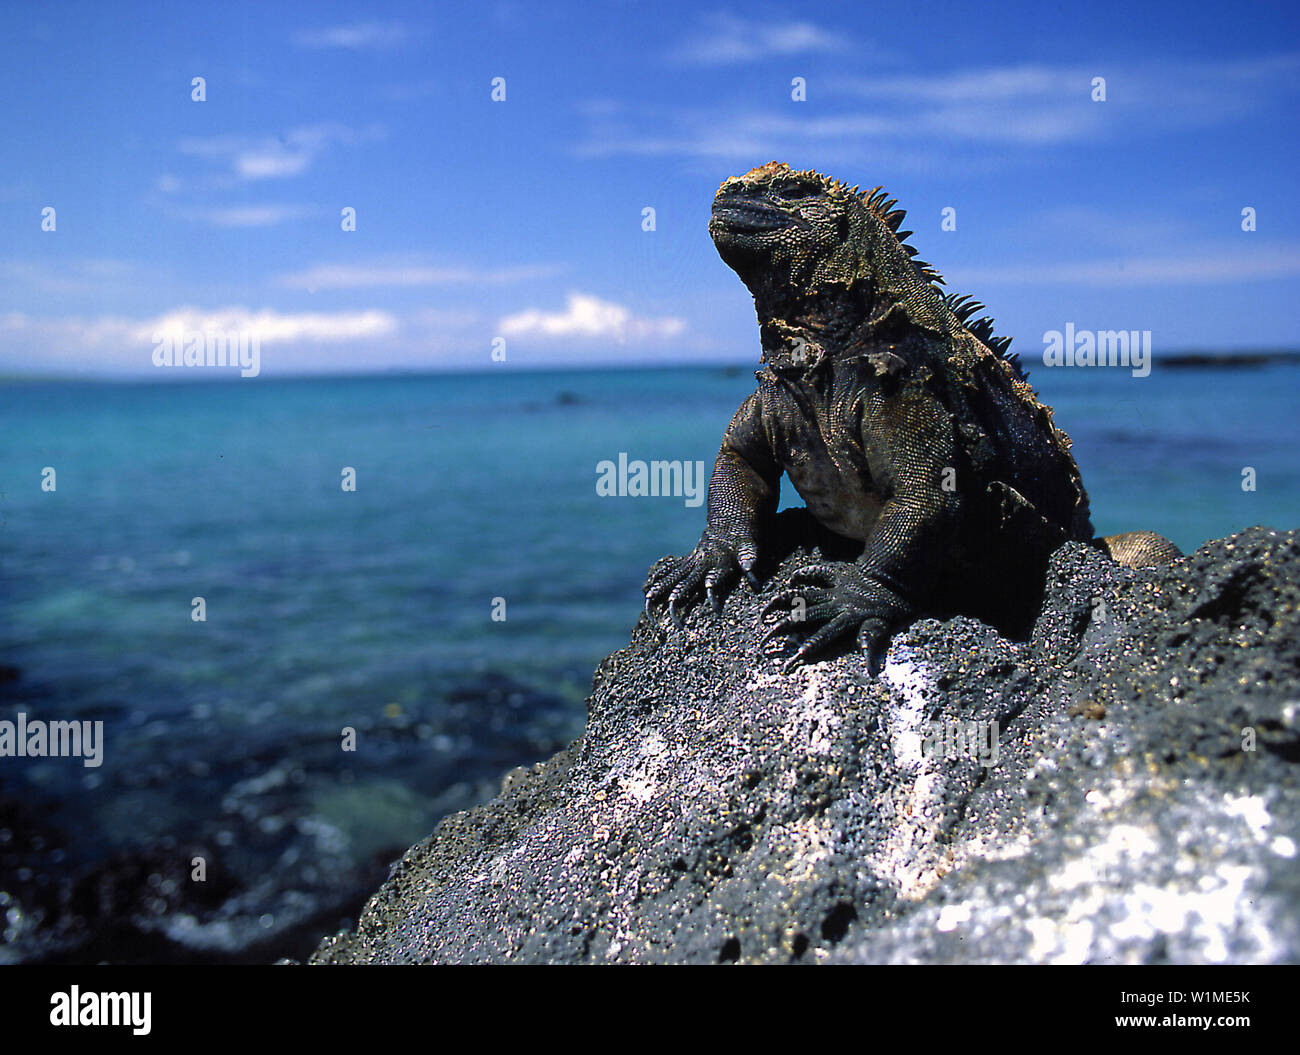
x=713, y=564
x=833, y=601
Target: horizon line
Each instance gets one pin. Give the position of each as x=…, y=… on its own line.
x=205, y=375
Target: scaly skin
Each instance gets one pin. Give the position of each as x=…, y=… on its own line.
x=902, y=424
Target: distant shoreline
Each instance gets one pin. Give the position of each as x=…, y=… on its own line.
x=1176, y=360
x=1187, y=359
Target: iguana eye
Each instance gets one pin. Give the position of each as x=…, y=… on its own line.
x=789, y=191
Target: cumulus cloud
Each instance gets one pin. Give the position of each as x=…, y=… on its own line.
x=122, y=344
x=269, y=325
x=586, y=317
x=266, y=324
x=345, y=342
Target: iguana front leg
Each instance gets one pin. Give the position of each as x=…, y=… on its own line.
x=909, y=446
x=743, y=494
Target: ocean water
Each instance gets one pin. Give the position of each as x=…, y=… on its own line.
x=371, y=610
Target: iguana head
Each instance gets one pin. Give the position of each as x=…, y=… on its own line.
x=803, y=242
x=774, y=225
x=778, y=220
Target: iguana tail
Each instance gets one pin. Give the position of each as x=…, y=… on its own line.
x=1138, y=549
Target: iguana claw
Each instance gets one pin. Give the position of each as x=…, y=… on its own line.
x=713, y=564
x=845, y=601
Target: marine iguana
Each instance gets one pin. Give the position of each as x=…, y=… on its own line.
x=904, y=425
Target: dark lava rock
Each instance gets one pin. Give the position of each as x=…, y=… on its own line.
x=1142, y=806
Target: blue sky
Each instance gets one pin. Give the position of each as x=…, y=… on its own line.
x=522, y=219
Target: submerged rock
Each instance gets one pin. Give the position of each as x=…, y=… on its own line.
x=291, y=841
x=1141, y=805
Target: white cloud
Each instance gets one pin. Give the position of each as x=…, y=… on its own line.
x=366, y=276
x=361, y=36
x=588, y=317
x=347, y=342
x=269, y=325
x=273, y=163
x=252, y=158
x=724, y=39
x=1204, y=265
x=744, y=135
x=1035, y=103
x=894, y=119
x=971, y=86
x=120, y=334
x=251, y=215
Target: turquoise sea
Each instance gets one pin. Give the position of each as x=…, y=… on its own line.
x=372, y=610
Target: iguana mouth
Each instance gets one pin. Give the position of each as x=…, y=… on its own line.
x=749, y=216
